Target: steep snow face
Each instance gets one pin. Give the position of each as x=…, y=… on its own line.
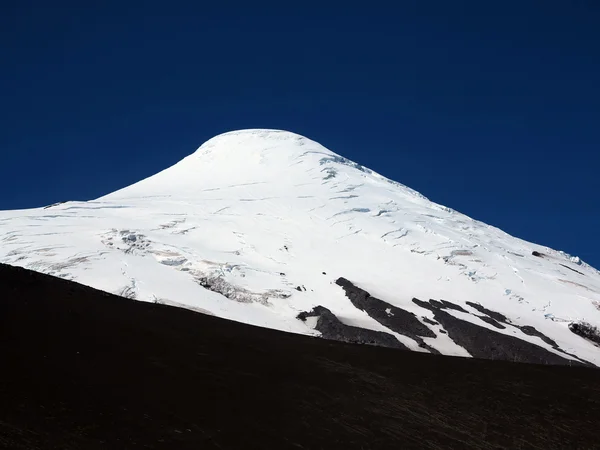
x=257, y=226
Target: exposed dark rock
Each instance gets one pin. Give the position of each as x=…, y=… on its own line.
x=332, y=328
x=586, y=331
x=499, y=318
x=482, y=342
x=570, y=268
x=429, y=348
x=429, y=321
x=425, y=305
x=538, y=254
x=531, y=331
x=493, y=314
x=491, y=322
x=527, y=329
x=392, y=317
x=444, y=304
x=396, y=319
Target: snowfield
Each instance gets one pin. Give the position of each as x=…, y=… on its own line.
x=258, y=225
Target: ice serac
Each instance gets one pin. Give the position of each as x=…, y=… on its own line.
x=260, y=226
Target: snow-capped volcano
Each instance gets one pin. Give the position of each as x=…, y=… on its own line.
x=264, y=227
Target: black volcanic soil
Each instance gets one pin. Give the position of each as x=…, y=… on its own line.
x=82, y=369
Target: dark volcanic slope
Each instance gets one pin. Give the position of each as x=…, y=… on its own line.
x=82, y=369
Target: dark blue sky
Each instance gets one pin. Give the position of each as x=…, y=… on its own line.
x=492, y=108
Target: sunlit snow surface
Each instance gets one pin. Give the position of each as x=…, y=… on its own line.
x=253, y=214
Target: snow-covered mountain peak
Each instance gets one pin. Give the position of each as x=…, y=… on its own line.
x=242, y=157
x=257, y=141
x=262, y=226
x=263, y=162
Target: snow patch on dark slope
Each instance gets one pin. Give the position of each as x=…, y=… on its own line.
x=236, y=226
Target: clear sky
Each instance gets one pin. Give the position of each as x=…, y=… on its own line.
x=491, y=108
